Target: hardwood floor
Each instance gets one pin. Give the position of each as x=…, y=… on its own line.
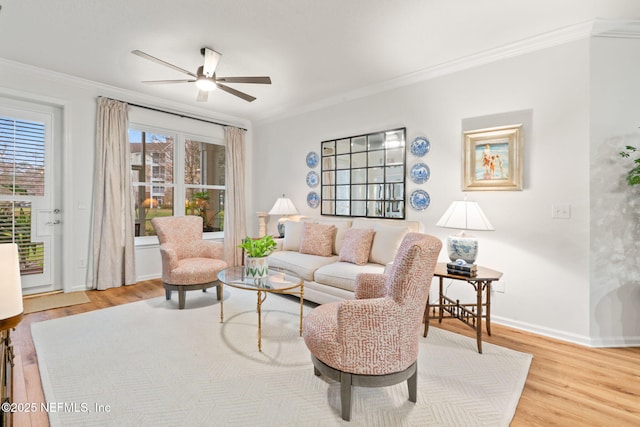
x=568, y=385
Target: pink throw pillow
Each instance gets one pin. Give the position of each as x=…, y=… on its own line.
x=356, y=246
x=317, y=239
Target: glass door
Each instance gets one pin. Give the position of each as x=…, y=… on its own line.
x=28, y=215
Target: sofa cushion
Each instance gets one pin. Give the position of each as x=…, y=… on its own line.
x=356, y=246
x=386, y=242
x=363, y=223
x=341, y=228
x=292, y=235
x=317, y=239
x=303, y=265
x=342, y=275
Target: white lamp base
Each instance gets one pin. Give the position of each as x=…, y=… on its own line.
x=463, y=247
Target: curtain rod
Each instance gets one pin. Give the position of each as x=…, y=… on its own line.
x=184, y=116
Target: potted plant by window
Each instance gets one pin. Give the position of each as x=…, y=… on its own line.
x=200, y=202
x=255, y=259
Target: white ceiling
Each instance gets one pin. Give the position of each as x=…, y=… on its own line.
x=313, y=50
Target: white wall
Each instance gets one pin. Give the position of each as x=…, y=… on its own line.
x=545, y=261
x=77, y=98
x=615, y=207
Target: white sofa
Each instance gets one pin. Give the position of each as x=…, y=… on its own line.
x=327, y=278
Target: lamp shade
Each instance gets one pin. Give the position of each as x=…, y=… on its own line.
x=465, y=215
x=283, y=206
x=10, y=283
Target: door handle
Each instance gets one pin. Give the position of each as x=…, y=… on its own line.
x=56, y=222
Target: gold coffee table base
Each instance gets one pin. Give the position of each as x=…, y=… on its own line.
x=276, y=283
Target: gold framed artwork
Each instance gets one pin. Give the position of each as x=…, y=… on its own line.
x=493, y=159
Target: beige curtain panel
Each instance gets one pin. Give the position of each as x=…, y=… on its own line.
x=113, y=214
x=235, y=228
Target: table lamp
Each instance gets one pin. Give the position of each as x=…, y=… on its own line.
x=464, y=215
x=10, y=286
x=283, y=207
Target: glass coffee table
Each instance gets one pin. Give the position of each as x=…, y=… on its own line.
x=277, y=282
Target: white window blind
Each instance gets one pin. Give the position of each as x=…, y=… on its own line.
x=21, y=157
x=22, y=166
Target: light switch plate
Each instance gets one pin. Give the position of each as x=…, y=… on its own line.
x=562, y=211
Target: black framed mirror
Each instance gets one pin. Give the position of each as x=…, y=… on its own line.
x=364, y=175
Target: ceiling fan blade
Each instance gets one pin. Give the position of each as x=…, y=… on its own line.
x=258, y=80
x=211, y=59
x=203, y=96
x=237, y=93
x=162, y=82
x=161, y=62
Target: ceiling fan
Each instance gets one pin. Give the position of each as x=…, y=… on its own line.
x=205, y=78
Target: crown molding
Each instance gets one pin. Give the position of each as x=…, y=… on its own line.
x=532, y=44
x=556, y=37
x=628, y=29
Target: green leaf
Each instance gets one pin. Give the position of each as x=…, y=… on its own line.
x=258, y=247
x=633, y=175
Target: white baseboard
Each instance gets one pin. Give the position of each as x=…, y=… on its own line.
x=616, y=342
x=582, y=340
x=147, y=277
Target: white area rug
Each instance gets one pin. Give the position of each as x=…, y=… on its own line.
x=155, y=365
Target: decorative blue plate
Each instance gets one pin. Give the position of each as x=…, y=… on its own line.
x=419, y=200
x=312, y=159
x=420, y=146
x=420, y=173
x=313, y=200
x=312, y=179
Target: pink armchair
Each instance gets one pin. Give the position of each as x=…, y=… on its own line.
x=372, y=341
x=188, y=262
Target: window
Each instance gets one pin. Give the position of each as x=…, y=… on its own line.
x=204, y=169
x=169, y=167
x=22, y=167
x=152, y=177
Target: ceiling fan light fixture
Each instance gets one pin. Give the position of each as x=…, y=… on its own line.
x=206, y=81
x=203, y=83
